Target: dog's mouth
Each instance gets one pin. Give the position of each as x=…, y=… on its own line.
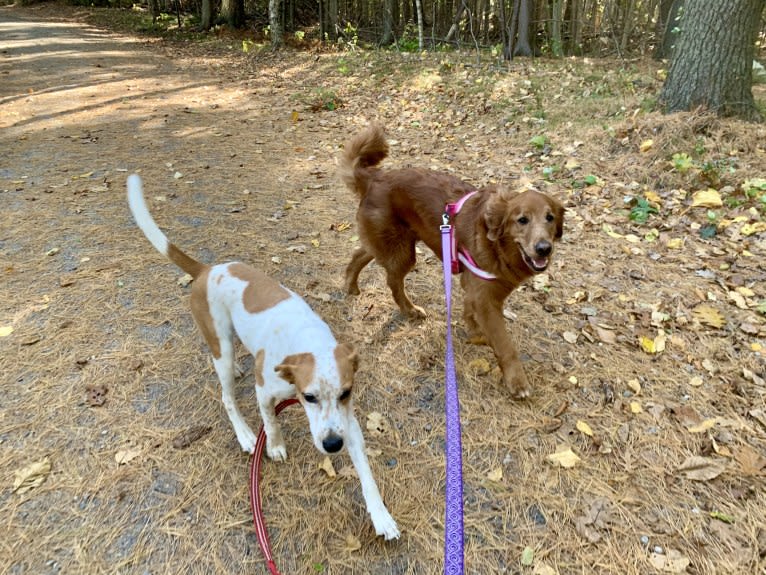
x=538, y=264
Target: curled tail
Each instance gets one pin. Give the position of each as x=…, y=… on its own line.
x=154, y=234
x=365, y=150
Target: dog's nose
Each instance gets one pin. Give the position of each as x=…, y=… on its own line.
x=332, y=443
x=543, y=248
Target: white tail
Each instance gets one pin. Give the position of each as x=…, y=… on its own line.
x=143, y=217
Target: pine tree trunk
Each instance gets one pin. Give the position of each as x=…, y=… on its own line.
x=523, y=46
x=233, y=11
x=713, y=59
x=419, y=9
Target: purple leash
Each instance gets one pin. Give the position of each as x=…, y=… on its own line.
x=453, y=521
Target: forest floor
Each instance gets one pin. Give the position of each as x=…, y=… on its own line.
x=643, y=446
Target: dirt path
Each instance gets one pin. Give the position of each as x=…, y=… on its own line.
x=103, y=370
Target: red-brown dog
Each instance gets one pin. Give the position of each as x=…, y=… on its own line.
x=504, y=234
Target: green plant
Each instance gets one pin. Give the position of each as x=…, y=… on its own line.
x=539, y=142
x=682, y=162
x=641, y=210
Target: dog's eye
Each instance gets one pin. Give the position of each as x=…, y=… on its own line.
x=310, y=398
x=345, y=395
x=549, y=218
x=523, y=220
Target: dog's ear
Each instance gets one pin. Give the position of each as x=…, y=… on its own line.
x=346, y=352
x=558, y=213
x=495, y=214
x=297, y=369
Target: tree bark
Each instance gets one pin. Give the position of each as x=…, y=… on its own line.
x=667, y=27
x=275, y=26
x=419, y=11
x=523, y=47
x=713, y=62
x=233, y=11
x=206, y=15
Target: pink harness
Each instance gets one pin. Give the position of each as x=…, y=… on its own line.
x=460, y=255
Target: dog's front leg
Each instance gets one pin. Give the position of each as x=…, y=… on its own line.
x=224, y=367
x=487, y=311
x=275, y=443
x=381, y=519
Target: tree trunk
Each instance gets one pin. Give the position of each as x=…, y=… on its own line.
x=713, y=62
x=275, y=26
x=555, y=29
x=388, y=23
x=668, y=26
x=233, y=11
x=456, y=21
x=206, y=15
x=419, y=10
x=523, y=47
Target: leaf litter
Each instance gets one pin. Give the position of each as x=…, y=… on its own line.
x=674, y=267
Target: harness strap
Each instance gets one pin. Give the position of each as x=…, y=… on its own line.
x=460, y=255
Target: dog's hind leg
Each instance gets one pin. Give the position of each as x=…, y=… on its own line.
x=398, y=263
x=381, y=519
x=358, y=261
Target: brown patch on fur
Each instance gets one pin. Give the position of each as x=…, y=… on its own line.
x=262, y=292
x=185, y=262
x=509, y=234
x=258, y=367
x=297, y=369
x=348, y=362
x=201, y=312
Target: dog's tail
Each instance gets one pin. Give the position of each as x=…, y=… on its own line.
x=154, y=234
x=365, y=150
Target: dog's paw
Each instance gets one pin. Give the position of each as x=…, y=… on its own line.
x=385, y=525
x=478, y=340
x=276, y=452
x=417, y=313
x=517, y=383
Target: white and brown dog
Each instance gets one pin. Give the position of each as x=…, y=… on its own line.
x=295, y=355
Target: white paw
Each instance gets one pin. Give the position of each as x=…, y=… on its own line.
x=276, y=452
x=384, y=524
x=246, y=439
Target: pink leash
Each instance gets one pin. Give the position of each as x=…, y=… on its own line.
x=255, y=493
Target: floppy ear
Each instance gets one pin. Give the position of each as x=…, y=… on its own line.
x=296, y=369
x=558, y=212
x=349, y=353
x=494, y=215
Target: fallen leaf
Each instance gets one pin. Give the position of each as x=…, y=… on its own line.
x=754, y=228
x=185, y=280
x=570, y=337
x=189, y=436
x=671, y=561
x=635, y=407
x=315, y=243
x=495, y=475
x=696, y=381
x=709, y=198
x=635, y=386
x=750, y=461
x=703, y=426
x=352, y=543
x=653, y=345
x=31, y=476
x=480, y=366
x=126, y=455
x=95, y=395
x=709, y=315
x=722, y=516
x=699, y=468
x=527, y=556
x=6, y=330
x=565, y=457
x=675, y=243
x=605, y=335
x=543, y=569
x=583, y=427
x=738, y=299
x=376, y=423
x=646, y=145
x=327, y=467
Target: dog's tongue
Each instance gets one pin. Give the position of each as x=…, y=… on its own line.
x=540, y=263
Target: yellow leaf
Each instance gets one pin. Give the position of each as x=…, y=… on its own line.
x=709, y=198
x=480, y=366
x=327, y=467
x=652, y=197
x=583, y=427
x=675, y=243
x=6, y=330
x=294, y=116
x=634, y=386
x=745, y=291
x=31, y=476
x=495, y=475
x=656, y=345
x=703, y=426
x=695, y=381
x=564, y=458
x=646, y=145
x=738, y=299
x=755, y=346
x=709, y=315
x=755, y=228
x=635, y=407
x=610, y=232
x=315, y=243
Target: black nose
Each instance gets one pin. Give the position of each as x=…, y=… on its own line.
x=543, y=248
x=332, y=443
